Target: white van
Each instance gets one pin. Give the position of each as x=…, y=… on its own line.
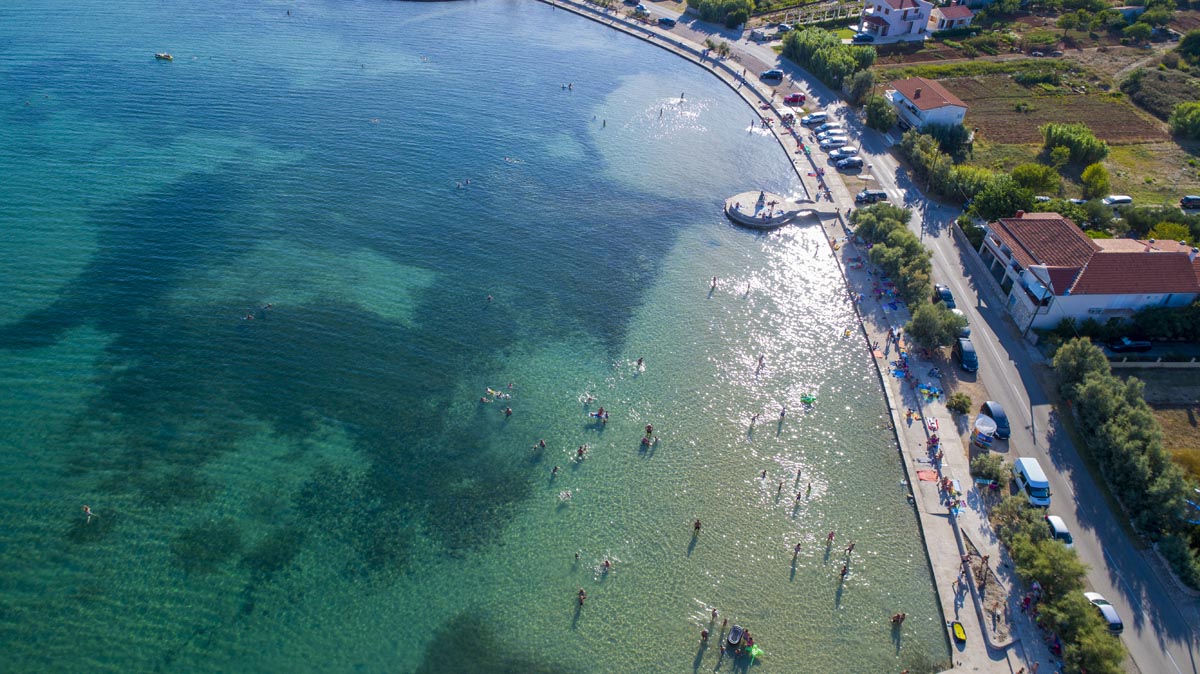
x=1032, y=481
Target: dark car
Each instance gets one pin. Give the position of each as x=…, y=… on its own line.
x=666, y=21
x=942, y=294
x=1127, y=345
x=862, y=38
x=993, y=409
x=849, y=163
x=870, y=196
x=1189, y=202
x=772, y=74
x=965, y=351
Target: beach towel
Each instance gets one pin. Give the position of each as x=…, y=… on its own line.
x=933, y=424
x=927, y=475
x=877, y=353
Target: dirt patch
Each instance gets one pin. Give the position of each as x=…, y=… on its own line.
x=1006, y=112
x=1181, y=435
x=995, y=598
x=1108, y=59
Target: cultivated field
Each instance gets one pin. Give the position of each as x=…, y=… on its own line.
x=1006, y=112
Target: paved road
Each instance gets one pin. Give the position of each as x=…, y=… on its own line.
x=1158, y=617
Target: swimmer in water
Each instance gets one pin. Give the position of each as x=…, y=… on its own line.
x=542, y=444
x=639, y=362
x=606, y=565
x=554, y=471
x=508, y=411
x=582, y=596
x=87, y=510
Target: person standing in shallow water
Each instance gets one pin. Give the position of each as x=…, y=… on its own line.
x=696, y=528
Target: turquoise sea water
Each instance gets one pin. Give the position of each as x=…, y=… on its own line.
x=320, y=488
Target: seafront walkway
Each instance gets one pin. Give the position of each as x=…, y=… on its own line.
x=992, y=643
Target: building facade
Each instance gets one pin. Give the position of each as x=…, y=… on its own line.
x=950, y=17
x=919, y=102
x=1049, y=270
x=895, y=20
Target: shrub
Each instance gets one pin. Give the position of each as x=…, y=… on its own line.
x=959, y=402
x=988, y=466
x=881, y=116
x=861, y=84
x=1039, y=178
x=1085, y=147
x=952, y=138
x=1175, y=550
x=1095, y=181
x=720, y=11
x=1185, y=120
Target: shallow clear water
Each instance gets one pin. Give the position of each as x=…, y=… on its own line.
x=320, y=488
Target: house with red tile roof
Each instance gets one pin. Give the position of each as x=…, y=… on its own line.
x=895, y=20
x=1050, y=270
x=950, y=17
x=919, y=102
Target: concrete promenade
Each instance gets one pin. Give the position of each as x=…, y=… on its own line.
x=990, y=644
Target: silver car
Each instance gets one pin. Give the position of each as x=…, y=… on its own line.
x=1107, y=612
x=843, y=153
x=833, y=133
x=830, y=143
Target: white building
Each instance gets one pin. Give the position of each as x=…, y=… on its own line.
x=919, y=101
x=950, y=17
x=1050, y=270
x=895, y=20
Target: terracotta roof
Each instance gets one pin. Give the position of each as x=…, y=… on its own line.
x=1061, y=278
x=1121, y=245
x=955, y=12
x=926, y=94
x=1134, y=273
x=902, y=4
x=1045, y=238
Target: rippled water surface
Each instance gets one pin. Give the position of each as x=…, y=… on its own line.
x=317, y=486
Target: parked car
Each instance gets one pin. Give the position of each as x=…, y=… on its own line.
x=835, y=141
x=1041, y=198
x=862, y=38
x=1037, y=54
x=1078, y=202
x=849, y=163
x=1189, y=202
x=1107, y=611
x=641, y=11
x=843, y=152
x=1031, y=481
x=772, y=74
x=1117, y=200
x=784, y=27
x=965, y=351
x=1127, y=345
x=1056, y=53
x=814, y=118
x=1059, y=531
x=829, y=126
x=966, y=329
x=666, y=21
x=870, y=196
x=942, y=293
x=832, y=133
x=795, y=98
x=993, y=409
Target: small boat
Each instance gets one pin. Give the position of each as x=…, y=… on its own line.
x=960, y=634
x=735, y=636
x=164, y=56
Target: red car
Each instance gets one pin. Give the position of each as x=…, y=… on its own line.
x=794, y=99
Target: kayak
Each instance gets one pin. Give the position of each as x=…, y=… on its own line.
x=960, y=634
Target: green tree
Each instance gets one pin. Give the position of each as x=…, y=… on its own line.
x=1002, y=198
x=1189, y=46
x=1095, y=181
x=861, y=85
x=1138, y=32
x=1038, y=178
x=1074, y=361
x=881, y=116
x=1172, y=231
x=933, y=325
x=1185, y=119
x=1068, y=22
x=1060, y=156
x=988, y=467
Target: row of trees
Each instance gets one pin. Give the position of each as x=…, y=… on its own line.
x=992, y=195
x=822, y=53
x=1124, y=438
x=895, y=250
x=1087, y=646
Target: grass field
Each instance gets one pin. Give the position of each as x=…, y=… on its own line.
x=1006, y=112
x=1181, y=435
